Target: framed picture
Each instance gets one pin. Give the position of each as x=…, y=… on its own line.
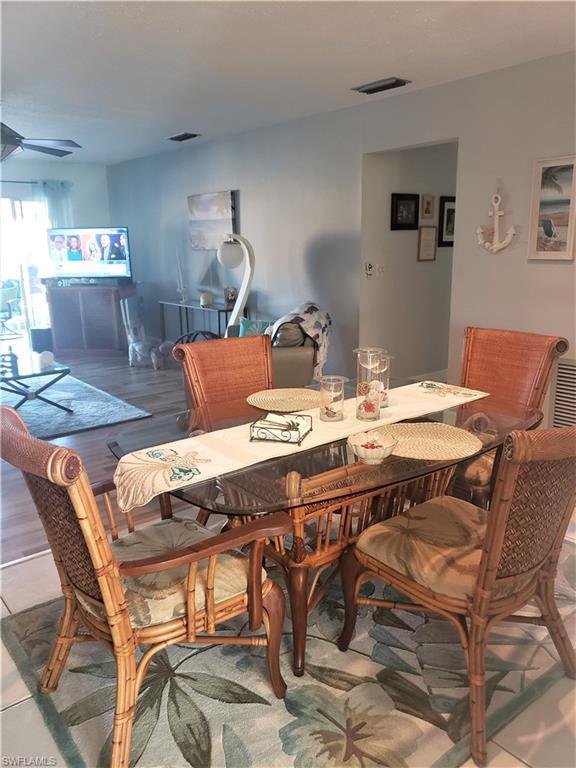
x=404, y=211
x=446, y=222
x=211, y=217
x=427, y=243
x=427, y=211
x=553, y=216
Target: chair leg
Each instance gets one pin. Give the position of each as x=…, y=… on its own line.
x=350, y=569
x=67, y=629
x=547, y=604
x=202, y=517
x=298, y=589
x=126, y=694
x=477, y=681
x=274, y=606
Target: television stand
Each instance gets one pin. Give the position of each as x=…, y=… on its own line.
x=88, y=317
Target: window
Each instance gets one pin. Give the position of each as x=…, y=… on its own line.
x=23, y=250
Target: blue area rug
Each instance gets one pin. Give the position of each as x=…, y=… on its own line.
x=92, y=408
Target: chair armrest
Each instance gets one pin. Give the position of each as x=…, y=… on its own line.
x=265, y=527
x=254, y=533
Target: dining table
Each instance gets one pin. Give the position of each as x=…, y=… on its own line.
x=331, y=495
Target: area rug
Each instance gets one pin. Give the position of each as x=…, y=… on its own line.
x=92, y=408
x=397, y=697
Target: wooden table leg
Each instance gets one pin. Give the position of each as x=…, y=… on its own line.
x=298, y=588
x=165, y=506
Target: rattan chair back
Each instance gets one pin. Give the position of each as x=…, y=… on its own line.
x=52, y=474
x=510, y=364
x=221, y=370
x=533, y=502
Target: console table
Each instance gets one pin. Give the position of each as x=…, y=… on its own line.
x=184, y=316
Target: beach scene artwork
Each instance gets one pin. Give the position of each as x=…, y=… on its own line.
x=211, y=217
x=553, y=208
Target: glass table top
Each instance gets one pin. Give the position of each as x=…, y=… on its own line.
x=19, y=362
x=261, y=488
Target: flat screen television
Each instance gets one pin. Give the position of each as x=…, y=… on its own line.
x=88, y=252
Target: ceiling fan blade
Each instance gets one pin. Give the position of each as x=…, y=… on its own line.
x=55, y=142
x=46, y=150
x=9, y=136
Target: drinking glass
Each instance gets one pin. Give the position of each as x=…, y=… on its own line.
x=332, y=398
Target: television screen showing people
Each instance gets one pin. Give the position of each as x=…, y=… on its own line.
x=88, y=252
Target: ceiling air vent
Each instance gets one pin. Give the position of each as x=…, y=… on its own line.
x=184, y=137
x=382, y=85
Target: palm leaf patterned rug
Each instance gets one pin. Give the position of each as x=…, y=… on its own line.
x=397, y=697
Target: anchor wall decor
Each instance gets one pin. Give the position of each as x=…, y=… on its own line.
x=496, y=244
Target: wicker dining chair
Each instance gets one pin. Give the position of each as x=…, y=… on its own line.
x=171, y=582
x=477, y=568
x=220, y=370
x=510, y=365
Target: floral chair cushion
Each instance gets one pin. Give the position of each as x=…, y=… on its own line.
x=437, y=544
x=158, y=597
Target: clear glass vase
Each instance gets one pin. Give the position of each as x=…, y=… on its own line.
x=372, y=378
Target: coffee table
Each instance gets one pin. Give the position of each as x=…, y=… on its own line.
x=18, y=375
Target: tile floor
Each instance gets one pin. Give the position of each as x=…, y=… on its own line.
x=543, y=736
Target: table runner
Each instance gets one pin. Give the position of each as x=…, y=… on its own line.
x=144, y=474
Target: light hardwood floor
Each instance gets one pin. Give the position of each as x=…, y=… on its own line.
x=158, y=392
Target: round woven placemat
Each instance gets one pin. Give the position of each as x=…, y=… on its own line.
x=431, y=440
x=285, y=400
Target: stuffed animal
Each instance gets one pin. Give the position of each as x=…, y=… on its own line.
x=146, y=352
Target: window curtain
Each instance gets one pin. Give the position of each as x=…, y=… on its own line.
x=56, y=194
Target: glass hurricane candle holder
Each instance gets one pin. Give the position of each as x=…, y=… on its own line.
x=332, y=398
x=373, y=362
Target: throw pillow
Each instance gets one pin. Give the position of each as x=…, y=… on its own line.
x=288, y=335
x=253, y=327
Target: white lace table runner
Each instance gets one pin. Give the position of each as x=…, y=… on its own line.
x=144, y=474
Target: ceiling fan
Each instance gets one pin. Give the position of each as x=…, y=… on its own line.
x=13, y=143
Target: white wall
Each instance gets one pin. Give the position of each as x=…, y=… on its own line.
x=89, y=191
x=405, y=304
x=300, y=201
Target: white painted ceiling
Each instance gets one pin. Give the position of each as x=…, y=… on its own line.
x=121, y=77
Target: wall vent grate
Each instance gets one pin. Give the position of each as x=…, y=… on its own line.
x=564, y=413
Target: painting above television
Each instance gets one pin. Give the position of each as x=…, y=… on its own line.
x=211, y=216
x=87, y=252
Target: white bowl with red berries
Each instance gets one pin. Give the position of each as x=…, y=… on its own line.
x=372, y=447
